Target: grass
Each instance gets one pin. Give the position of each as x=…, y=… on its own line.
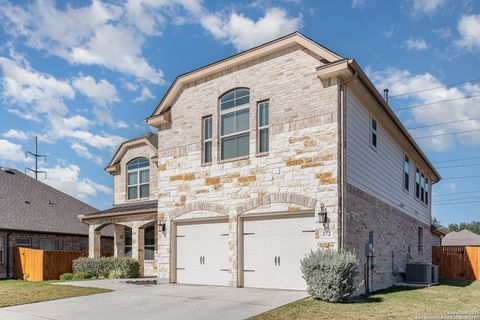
x=393, y=303
x=15, y=292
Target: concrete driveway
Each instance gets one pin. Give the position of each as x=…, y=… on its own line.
x=163, y=301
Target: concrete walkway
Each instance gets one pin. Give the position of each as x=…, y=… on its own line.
x=163, y=301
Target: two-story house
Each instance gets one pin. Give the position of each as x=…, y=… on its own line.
x=260, y=158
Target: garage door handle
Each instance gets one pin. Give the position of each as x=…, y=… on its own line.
x=180, y=268
x=275, y=260
x=248, y=233
x=308, y=231
x=248, y=270
x=224, y=270
x=278, y=260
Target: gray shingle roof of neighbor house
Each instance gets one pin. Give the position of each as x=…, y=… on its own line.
x=141, y=206
x=30, y=205
x=461, y=238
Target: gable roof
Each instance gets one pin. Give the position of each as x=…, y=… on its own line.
x=242, y=57
x=461, y=238
x=149, y=138
x=30, y=205
x=125, y=208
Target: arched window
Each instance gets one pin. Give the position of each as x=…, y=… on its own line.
x=138, y=179
x=149, y=243
x=235, y=124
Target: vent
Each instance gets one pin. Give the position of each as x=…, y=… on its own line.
x=7, y=170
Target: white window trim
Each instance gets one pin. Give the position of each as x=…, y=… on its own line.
x=260, y=128
x=138, y=184
x=405, y=156
x=205, y=141
x=372, y=131
x=245, y=106
x=425, y=202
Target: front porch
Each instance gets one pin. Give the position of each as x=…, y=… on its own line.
x=135, y=233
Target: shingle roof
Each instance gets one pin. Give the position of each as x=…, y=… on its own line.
x=28, y=204
x=127, y=207
x=461, y=238
x=153, y=138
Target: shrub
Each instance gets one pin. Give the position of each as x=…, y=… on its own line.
x=116, y=274
x=66, y=276
x=81, y=275
x=330, y=274
x=104, y=265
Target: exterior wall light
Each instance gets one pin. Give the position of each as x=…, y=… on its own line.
x=322, y=214
x=162, y=226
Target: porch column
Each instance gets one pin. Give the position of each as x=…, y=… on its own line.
x=233, y=248
x=119, y=238
x=137, y=246
x=94, y=241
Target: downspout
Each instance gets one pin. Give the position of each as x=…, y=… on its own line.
x=343, y=164
x=8, y=254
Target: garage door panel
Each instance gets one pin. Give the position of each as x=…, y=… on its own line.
x=288, y=240
x=202, y=253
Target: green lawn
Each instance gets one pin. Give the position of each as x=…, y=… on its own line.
x=15, y=292
x=394, y=303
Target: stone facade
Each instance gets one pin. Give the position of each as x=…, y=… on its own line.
x=395, y=238
x=48, y=241
x=301, y=163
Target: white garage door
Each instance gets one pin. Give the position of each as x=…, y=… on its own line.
x=202, y=253
x=273, y=249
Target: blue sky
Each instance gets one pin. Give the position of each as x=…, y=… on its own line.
x=82, y=76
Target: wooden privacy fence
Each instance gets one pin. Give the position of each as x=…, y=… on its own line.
x=457, y=262
x=41, y=265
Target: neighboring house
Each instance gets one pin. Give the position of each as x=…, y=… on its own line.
x=262, y=157
x=35, y=215
x=461, y=238
x=437, y=236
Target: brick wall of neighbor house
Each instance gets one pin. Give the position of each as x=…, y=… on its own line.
x=120, y=180
x=303, y=147
x=62, y=242
x=395, y=232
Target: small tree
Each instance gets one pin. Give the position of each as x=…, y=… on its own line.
x=330, y=275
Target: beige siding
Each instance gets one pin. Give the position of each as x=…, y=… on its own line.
x=379, y=172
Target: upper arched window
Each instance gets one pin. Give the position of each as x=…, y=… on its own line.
x=138, y=179
x=235, y=124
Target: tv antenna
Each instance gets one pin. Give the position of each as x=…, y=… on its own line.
x=36, y=155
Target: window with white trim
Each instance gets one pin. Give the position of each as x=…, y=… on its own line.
x=422, y=187
x=23, y=242
x=427, y=192
x=406, y=173
x=207, y=139
x=263, y=123
x=235, y=124
x=2, y=249
x=417, y=183
x=373, y=132
x=138, y=179
x=149, y=243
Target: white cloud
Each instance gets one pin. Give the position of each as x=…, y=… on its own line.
x=36, y=92
x=83, y=152
x=426, y=7
x=67, y=179
x=16, y=134
x=245, y=33
x=390, y=32
x=94, y=34
x=11, y=152
x=101, y=92
x=403, y=81
x=416, y=44
x=443, y=32
x=469, y=29
x=146, y=94
x=359, y=4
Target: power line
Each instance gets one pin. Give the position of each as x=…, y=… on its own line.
x=456, y=199
x=445, y=134
x=457, y=159
x=464, y=177
x=461, y=202
x=454, y=193
x=435, y=102
x=442, y=123
x=460, y=166
x=434, y=88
